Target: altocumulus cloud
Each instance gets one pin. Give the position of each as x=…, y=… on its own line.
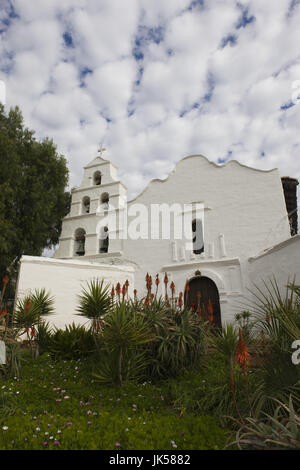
x=156, y=81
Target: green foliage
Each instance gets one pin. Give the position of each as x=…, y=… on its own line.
x=33, y=201
x=57, y=405
x=72, y=343
x=95, y=302
x=12, y=367
x=278, y=316
x=280, y=431
x=44, y=336
x=32, y=308
x=123, y=330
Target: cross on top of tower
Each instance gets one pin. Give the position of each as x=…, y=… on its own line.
x=101, y=150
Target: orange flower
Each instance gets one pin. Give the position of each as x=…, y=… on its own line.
x=112, y=291
x=118, y=289
x=172, y=287
x=166, y=280
x=242, y=356
x=5, y=280
x=27, y=305
x=127, y=283
x=147, y=301
x=135, y=292
x=180, y=300
x=157, y=281
x=124, y=290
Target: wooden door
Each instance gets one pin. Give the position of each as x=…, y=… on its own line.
x=203, y=297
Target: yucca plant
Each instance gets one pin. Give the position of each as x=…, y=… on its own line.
x=225, y=343
x=277, y=315
x=123, y=330
x=94, y=303
x=29, y=313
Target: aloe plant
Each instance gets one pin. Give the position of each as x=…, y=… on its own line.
x=280, y=431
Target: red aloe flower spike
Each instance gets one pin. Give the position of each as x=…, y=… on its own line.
x=166, y=280
x=118, y=289
x=113, y=291
x=5, y=280
x=242, y=355
x=180, y=300
x=172, y=287
x=124, y=290
x=135, y=292
x=27, y=305
x=157, y=281
x=147, y=301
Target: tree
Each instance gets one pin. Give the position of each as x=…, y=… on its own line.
x=33, y=200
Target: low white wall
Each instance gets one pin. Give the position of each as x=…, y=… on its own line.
x=281, y=261
x=64, y=279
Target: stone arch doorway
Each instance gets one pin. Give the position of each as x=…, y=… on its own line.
x=203, y=297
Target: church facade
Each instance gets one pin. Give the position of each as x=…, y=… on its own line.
x=216, y=228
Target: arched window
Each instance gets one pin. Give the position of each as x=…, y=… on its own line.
x=97, y=178
x=86, y=205
x=104, y=201
x=79, y=245
x=104, y=240
x=198, y=241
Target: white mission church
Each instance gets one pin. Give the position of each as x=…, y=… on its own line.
x=220, y=228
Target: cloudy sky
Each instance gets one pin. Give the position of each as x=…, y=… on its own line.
x=157, y=80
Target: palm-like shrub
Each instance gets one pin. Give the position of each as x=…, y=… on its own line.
x=32, y=308
x=95, y=302
x=123, y=330
x=278, y=317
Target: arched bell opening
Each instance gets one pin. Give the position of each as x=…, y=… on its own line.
x=79, y=245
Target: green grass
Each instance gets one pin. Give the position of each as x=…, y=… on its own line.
x=58, y=405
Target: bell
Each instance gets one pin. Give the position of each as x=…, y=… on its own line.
x=80, y=249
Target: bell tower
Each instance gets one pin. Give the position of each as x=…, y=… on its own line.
x=93, y=228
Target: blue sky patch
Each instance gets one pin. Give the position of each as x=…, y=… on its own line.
x=144, y=37
x=231, y=39
x=68, y=39
x=244, y=19
x=286, y=106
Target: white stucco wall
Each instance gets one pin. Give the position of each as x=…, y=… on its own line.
x=64, y=279
x=282, y=261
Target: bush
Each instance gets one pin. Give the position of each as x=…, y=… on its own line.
x=72, y=343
